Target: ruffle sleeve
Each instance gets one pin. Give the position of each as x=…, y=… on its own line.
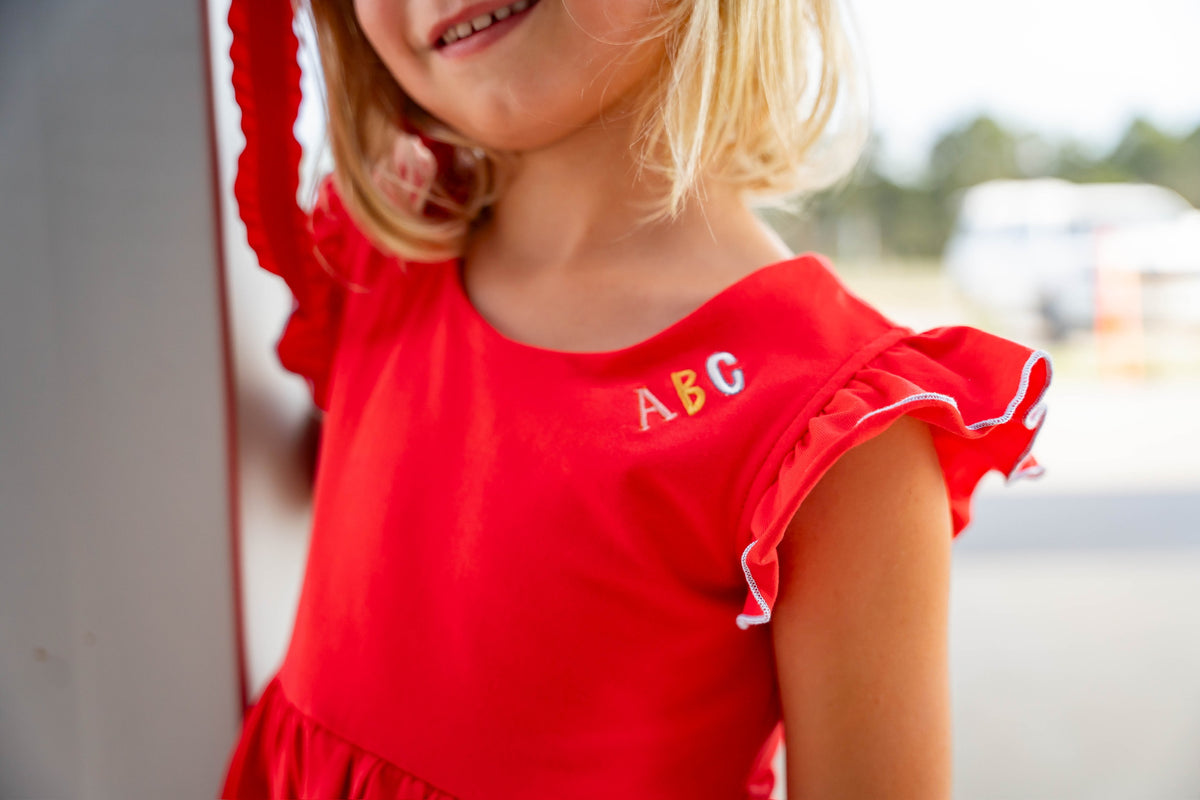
x=321, y=282
x=314, y=253
x=982, y=395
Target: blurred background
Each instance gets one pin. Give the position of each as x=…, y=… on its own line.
x=1033, y=170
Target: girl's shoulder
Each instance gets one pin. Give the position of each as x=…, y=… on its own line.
x=840, y=373
x=805, y=297
x=800, y=317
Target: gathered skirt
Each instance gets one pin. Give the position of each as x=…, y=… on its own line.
x=284, y=753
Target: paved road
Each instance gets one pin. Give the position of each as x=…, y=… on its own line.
x=1015, y=520
x=1076, y=671
x=1075, y=647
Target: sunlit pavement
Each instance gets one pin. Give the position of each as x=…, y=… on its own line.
x=1075, y=631
x=1076, y=674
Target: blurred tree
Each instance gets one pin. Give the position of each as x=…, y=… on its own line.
x=1186, y=177
x=981, y=150
x=869, y=215
x=1074, y=163
x=1144, y=152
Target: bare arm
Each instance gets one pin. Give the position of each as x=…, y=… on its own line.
x=860, y=626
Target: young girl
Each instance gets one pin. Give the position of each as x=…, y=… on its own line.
x=614, y=490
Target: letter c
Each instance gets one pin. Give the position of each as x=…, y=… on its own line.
x=737, y=380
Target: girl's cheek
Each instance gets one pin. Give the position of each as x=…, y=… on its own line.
x=367, y=12
x=389, y=32
x=385, y=25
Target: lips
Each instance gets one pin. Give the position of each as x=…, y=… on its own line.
x=475, y=11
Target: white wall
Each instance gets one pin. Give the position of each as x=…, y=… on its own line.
x=117, y=666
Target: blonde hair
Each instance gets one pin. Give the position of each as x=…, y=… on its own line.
x=746, y=96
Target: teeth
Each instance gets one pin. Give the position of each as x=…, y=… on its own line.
x=465, y=29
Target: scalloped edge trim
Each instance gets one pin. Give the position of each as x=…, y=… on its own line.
x=1032, y=421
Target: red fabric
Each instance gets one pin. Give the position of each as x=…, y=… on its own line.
x=519, y=588
x=266, y=85
x=953, y=378
x=332, y=270
x=280, y=745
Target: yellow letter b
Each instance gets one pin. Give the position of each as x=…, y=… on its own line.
x=691, y=395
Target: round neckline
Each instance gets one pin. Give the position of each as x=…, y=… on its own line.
x=704, y=309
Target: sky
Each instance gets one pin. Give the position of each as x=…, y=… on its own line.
x=1062, y=67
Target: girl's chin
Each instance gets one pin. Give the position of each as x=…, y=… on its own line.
x=524, y=140
x=519, y=133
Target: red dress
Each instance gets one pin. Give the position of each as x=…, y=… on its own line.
x=545, y=574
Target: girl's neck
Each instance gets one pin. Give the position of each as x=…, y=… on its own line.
x=574, y=205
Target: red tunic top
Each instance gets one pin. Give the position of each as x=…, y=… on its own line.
x=545, y=574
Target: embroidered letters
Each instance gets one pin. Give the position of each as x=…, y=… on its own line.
x=733, y=386
x=644, y=396
x=692, y=395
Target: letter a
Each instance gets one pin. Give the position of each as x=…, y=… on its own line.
x=691, y=395
x=644, y=396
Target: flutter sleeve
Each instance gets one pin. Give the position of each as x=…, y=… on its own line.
x=318, y=254
x=321, y=282
x=982, y=395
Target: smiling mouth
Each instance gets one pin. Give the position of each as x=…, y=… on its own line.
x=465, y=30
